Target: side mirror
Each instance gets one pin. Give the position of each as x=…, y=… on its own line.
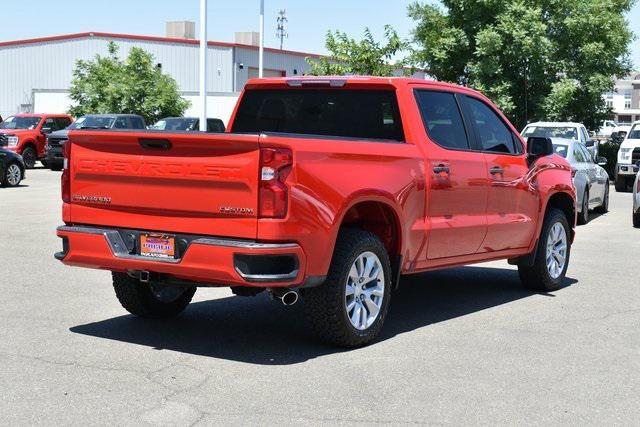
x=539, y=146
x=602, y=161
x=46, y=130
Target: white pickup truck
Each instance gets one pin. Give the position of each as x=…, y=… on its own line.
x=628, y=157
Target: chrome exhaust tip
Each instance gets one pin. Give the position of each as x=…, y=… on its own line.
x=290, y=298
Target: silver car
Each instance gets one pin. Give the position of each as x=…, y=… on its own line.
x=636, y=200
x=591, y=180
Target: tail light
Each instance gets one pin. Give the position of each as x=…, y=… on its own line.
x=65, y=180
x=275, y=164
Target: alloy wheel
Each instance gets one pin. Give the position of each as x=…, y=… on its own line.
x=364, y=293
x=14, y=174
x=556, y=250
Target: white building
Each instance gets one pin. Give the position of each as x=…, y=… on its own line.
x=37, y=73
x=625, y=99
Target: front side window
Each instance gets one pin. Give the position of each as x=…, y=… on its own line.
x=494, y=135
x=20, y=123
x=442, y=119
x=362, y=114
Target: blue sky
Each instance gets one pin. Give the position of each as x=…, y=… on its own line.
x=308, y=20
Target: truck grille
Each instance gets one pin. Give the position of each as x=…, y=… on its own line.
x=56, y=142
x=635, y=156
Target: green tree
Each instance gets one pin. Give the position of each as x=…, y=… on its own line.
x=133, y=86
x=365, y=57
x=536, y=59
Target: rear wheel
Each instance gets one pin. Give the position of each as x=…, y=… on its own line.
x=349, y=309
x=12, y=175
x=30, y=157
x=552, y=255
x=583, y=217
x=604, y=207
x=621, y=184
x=151, y=300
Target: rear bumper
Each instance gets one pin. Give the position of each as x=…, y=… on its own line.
x=627, y=170
x=203, y=260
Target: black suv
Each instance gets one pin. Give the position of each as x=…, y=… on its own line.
x=56, y=140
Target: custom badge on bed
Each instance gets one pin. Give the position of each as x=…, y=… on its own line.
x=157, y=245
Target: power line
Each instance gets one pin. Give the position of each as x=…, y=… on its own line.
x=281, y=31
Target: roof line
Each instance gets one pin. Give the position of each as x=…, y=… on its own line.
x=159, y=39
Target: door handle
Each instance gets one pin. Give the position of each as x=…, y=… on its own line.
x=155, y=144
x=441, y=169
x=496, y=170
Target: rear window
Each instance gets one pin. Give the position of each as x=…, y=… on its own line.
x=364, y=114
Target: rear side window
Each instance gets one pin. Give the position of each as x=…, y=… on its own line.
x=364, y=114
x=137, y=123
x=494, y=135
x=442, y=119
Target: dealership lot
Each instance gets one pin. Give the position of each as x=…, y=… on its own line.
x=463, y=346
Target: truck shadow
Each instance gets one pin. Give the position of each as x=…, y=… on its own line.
x=260, y=331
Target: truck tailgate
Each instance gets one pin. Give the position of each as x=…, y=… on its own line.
x=203, y=184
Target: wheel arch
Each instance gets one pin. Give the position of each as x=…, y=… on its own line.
x=563, y=201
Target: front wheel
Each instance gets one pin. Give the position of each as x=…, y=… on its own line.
x=604, y=207
x=552, y=255
x=349, y=309
x=30, y=157
x=583, y=217
x=151, y=300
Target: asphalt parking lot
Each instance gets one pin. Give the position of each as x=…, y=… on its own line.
x=464, y=346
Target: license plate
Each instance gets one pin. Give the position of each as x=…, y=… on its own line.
x=157, y=245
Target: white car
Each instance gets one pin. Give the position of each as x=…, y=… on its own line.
x=563, y=130
x=628, y=156
x=606, y=129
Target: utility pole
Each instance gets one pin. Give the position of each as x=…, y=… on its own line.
x=281, y=31
x=261, y=50
x=203, y=65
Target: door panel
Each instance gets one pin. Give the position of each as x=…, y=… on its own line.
x=512, y=203
x=457, y=202
x=456, y=177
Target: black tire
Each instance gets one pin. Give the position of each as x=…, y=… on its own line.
x=56, y=167
x=30, y=157
x=604, y=207
x=537, y=277
x=139, y=299
x=325, y=307
x=621, y=184
x=636, y=219
x=583, y=215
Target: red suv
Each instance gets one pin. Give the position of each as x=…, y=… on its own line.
x=26, y=134
x=329, y=189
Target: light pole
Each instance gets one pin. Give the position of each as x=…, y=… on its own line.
x=203, y=65
x=261, y=54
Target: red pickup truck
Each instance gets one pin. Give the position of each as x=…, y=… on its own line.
x=325, y=188
x=26, y=134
